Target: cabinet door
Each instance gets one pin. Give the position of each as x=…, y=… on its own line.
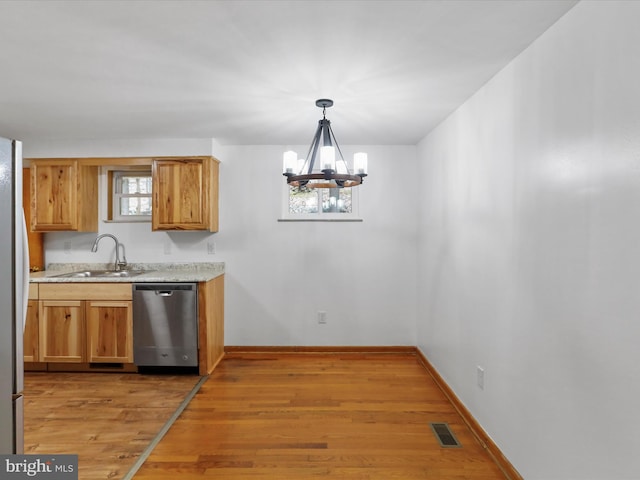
x=54, y=196
x=31, y=347
x=180, y=194
x=109, y=331
x=35, y=239
x=61, y=331
x=64, y=196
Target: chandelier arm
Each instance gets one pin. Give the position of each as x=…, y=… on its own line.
x=311, y=156
x=335, y=142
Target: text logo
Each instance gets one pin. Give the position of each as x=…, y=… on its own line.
x=50, y=467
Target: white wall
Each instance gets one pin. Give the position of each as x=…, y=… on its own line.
x=530, y=249
x=280, y=274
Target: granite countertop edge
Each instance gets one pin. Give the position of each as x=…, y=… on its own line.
x=154, y=272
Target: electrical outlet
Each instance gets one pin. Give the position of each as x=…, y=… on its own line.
x=322, y=317
x=211, y=247
x=167, y=247
x=480, y=376
x=67, y=248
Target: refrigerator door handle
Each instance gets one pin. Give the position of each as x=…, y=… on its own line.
x=25, y=272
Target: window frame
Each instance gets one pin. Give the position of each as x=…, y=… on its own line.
x=320, y=216
x=115, y=195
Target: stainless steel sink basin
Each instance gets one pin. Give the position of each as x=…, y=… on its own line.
x=102, y=274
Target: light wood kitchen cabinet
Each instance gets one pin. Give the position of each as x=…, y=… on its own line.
x=31, y=347
x=61, y=331
x=86, y=323
x=64, y=192
x=35, y=239
x=64, y=196
x=30, y=337
x=211, y=324
x=109, y=331
x=185, y=194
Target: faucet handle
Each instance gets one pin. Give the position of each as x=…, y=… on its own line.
x=122, y=263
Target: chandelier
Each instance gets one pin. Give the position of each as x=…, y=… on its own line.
x=330, y=171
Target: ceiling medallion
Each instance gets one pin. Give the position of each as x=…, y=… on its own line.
x=329, y=172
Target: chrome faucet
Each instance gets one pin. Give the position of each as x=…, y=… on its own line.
x=119, y=264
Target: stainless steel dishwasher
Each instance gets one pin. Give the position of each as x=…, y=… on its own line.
x=165, y=324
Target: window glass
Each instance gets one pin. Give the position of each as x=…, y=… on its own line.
x=135, y=206
x=336, y=200
x=135, y=184
x=303, y=200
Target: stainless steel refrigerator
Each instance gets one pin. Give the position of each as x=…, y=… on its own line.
x=14, y=278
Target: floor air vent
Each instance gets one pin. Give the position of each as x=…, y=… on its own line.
x=444, y=435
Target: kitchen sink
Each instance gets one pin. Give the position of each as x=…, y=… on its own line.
x=102, y=274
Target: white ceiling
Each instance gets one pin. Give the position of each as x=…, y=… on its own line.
x=249, y=72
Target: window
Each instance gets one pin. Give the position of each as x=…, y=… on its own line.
x=320, y=204
x=131, y=196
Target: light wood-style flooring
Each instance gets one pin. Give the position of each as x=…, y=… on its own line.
x=309, y=416
x=107, y=419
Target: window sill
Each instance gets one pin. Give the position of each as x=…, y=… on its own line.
x=129, y=220
x=320, y=220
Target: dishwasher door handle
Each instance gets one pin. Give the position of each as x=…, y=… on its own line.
x=164, y=293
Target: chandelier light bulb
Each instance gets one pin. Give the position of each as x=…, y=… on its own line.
x=289, y=161
x=360, y=163
x=328, y=158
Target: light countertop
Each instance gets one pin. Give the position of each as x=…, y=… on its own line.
x=153, y=272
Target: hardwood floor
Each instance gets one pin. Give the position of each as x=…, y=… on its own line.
x=305, y=416
x=108, y=419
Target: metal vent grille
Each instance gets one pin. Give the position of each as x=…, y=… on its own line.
x=444, y=435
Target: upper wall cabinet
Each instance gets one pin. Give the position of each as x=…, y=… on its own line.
x=64, y=192
x=185, y=194
x=64, y=196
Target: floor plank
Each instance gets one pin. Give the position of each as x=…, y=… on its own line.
x=304, y=416
x=107, y=419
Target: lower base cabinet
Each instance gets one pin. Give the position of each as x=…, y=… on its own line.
x=61, y=331
x=109, y=331
x=31, y=347
x=87, y=323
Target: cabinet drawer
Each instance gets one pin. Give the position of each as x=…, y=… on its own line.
x=85, y=291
